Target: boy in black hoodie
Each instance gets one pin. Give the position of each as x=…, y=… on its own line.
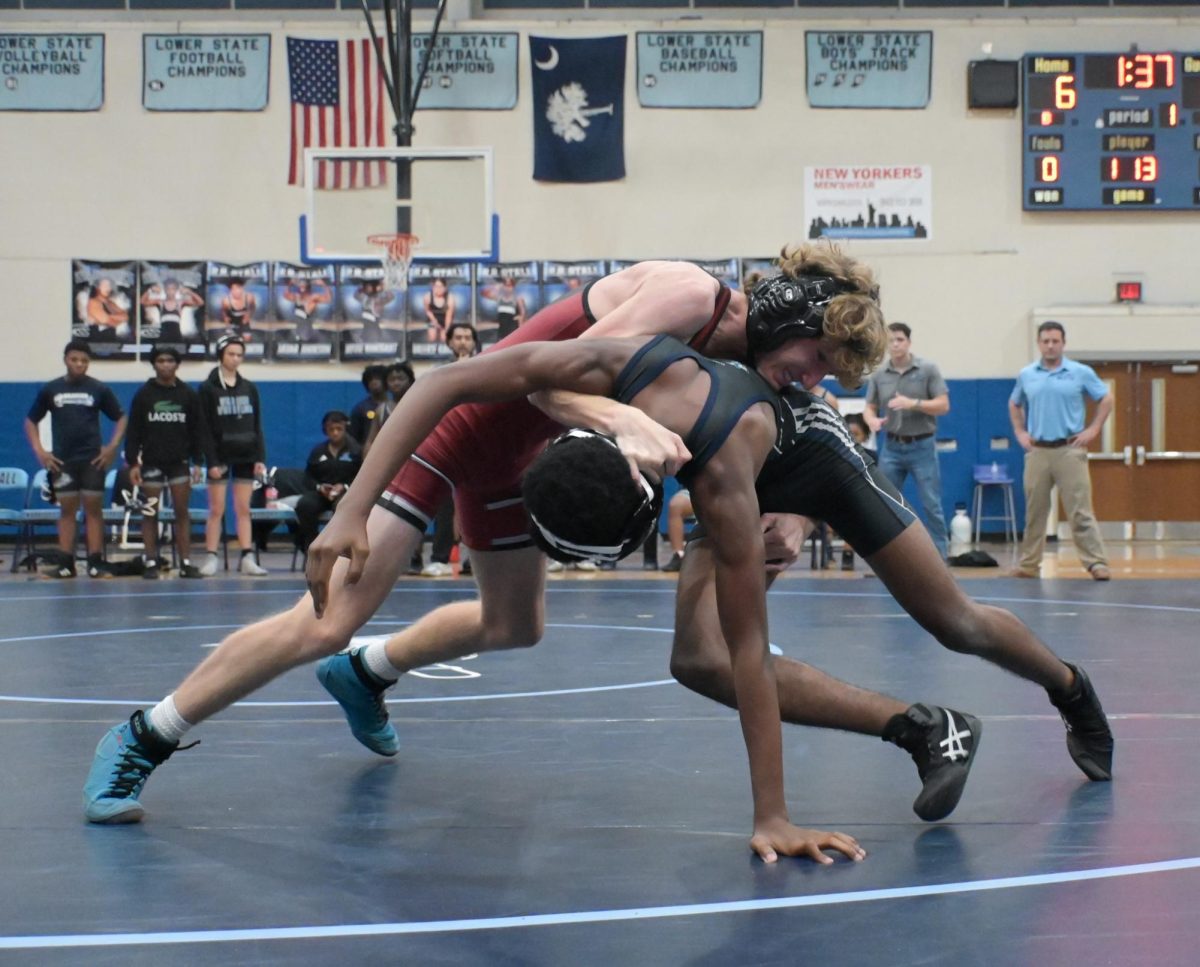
x=233, y=416
x=166, y=432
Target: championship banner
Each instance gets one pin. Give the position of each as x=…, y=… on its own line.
x=307, y=330
x=561, y=279
x=373, y=314
x=239, y=301
x=693, y=68
x=507, y=294
x=103, y=307
x=468, y=71
x=869, y=201
x=51, y=72
x=439, y=294
x=578, y=109
x=205, y=72
x=868, y=68
x=171, y=296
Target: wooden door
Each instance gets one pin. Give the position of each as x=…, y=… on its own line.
x=1110, y=456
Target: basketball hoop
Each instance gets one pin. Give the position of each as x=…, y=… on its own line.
x=396, y=255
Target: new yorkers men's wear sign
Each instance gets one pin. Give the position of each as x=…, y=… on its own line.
x=51, y=72
x=578, y=108
x=693, y=68
x=869, y=68
x=468, y=71
x=205, y=72
x=869, y=201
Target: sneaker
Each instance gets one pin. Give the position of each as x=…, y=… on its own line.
x=1089, y=739
x=465, y=570
x=360, y=694
x=587, y=566
x=150, y=570
x=209, y=567
x=187, y=570
x=1100, y=572
x=674, y=564
x=251, y=566
x=555, y=567
x=847, y=560
x=435, y=570
x=60, y=571
x=649, y=564
x=124, y=759
x=100, y=569
x=942, y=742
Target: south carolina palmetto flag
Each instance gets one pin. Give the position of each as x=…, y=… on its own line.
x=578, y=108
x=338, y=100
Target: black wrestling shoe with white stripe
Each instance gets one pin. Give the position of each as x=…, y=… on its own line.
x=942, y=742
x=1089, y=739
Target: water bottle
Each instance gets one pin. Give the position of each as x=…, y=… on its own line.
x=271, y=492
x=960, y=531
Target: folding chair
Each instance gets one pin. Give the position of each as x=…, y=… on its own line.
x=14, y=486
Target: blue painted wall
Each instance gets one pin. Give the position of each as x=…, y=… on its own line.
x=292, y=417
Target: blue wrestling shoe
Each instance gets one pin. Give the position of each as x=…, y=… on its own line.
x=124, y=759
x=360, y=694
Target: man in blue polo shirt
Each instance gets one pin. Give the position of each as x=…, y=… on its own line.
x=1047, y=412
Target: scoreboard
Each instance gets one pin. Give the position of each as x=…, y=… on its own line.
x=1111, y=132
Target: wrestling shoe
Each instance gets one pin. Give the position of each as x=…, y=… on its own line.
x=942, y=742
x=673, y=565
x=1089, y=739
x=360, y=694
x=150, y=569
x=124, y=759
x=189, y=570
x=99, y=568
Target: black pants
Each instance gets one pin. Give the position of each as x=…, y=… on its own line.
x=309, y=509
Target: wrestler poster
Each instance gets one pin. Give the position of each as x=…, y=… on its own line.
x=104, y=307
x=171, y=300
x=439, y=294
x=372, y=315
x=239, y=301
x=506, y=294
x=560, y=279
x=306, y=328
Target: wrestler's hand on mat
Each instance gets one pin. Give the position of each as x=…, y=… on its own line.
x=775, y=836
x=783, y=539
x=648, y=446
x=344, y=536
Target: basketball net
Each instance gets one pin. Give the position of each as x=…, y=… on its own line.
x=396, y=255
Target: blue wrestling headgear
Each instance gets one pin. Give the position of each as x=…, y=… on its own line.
x=583, y=503
x=782, y=307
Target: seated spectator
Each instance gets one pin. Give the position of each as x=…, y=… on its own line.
x=332, y=466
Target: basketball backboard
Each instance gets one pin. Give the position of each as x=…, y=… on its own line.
x=442, y=195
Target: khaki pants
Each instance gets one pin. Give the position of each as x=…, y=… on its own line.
x=1067, y=467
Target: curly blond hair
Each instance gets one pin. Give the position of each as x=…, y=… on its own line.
x=853, y=319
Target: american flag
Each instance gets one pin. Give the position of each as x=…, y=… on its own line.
x=338, y=100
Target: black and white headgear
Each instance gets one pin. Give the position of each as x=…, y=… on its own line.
x=227, y=340
x=641, y=521
x=783, y=307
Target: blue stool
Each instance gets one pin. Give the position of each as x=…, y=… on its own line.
x=995, y=475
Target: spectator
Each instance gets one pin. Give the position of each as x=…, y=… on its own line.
x=464, y=343
x=913, y=395
x=1047, y=412
x=233, y=415
x=331, y=465
x=861, y=434
x=374, y=380
x=679, y=512
x=76, y=463
x=398, y=380
x=166, y=431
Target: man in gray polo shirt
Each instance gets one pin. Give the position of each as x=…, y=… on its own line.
x=910, y=393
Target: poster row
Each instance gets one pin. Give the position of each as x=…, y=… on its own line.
x=289, y=312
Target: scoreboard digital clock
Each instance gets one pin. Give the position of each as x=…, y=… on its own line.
x=1106, y=132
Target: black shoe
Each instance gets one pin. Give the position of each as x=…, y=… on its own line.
x=847, y=560
x=60, y=571
x=649, y=564
x=465, y=570
x=99, y=569
x=150, y=570
x=190, y=571
x=674, y=564
x=1089, y=739
x=942, y=743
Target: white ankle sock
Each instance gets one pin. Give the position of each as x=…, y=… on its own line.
x=375, y=657
x=166, y=721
